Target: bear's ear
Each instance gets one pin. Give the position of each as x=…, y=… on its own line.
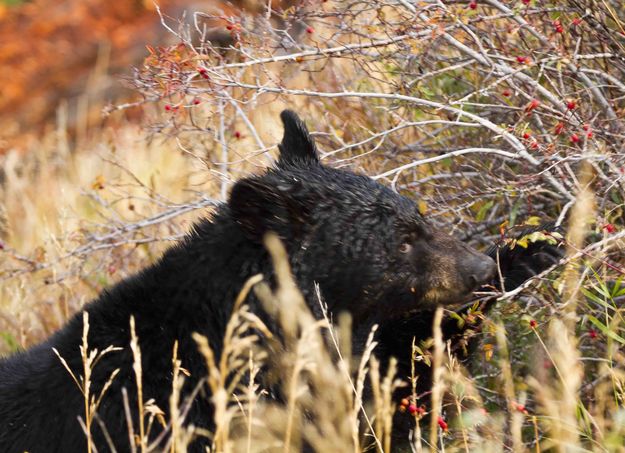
x=297, y=146
x=258, y=208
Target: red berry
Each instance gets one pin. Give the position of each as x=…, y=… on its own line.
x=442, y=423
x=592, y=333
x=473, y=5
x=521, y=408
x=196, y=101
x=405, y=402
x=310, y=30
x=558, y=26
x=203, y=72
x=237, y=134
x=577, y=21
x=571, y=105
x=412, y=409
x=575, y=138
x=526, y=2
x=589, y=134
x=167, y=108
x=526, y=135
x=532, y=105
x=547, y=364
x=533, y=323
x=609, y=228
x=534, y=145
x=586, y=127
x=229, y=27
x=506, y=92
x=521, y=59
x=558, y=129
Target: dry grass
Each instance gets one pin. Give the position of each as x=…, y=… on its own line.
x=548, y=372
x=323, y=389
x=76, y=221
x=548, y=413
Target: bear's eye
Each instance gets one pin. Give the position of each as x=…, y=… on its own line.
x=405, y=248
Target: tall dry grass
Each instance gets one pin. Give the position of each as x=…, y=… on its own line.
x=331, y=401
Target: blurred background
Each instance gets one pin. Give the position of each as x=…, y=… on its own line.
x=98, y=171
x=64, y=63
x=64, y=60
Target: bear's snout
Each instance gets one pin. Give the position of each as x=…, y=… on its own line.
x=477, y=269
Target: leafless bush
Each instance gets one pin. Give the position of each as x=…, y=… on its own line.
x=501, y=100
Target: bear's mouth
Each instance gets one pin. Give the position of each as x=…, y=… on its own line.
x=446, y=297
x=458, y=301
x=451, y=302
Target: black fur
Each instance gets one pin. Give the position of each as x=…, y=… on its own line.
x=517, y=265
x=367, y=247
x=297, y=145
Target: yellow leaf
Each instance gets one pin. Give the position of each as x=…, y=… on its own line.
x=488, y=351
x=558, y=285
x=533, y=221
x=98, y=183
x=423, y=206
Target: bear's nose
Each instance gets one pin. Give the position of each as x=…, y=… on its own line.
x=478, y=270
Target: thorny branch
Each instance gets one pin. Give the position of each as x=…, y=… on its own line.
x=116, y=235
x=518, y=95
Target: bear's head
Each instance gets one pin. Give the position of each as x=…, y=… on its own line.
x=369, y=249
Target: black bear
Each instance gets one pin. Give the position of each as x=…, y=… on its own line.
x=368, y=248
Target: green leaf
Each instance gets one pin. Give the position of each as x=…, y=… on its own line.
x=10, y=340
x=592, y=296
x=605, y=330
x=595, y=298
x=514, y=211
x=616, y=289
x=481, y=214
x=458, y=319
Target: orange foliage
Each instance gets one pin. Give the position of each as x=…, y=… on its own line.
x=50, y=48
